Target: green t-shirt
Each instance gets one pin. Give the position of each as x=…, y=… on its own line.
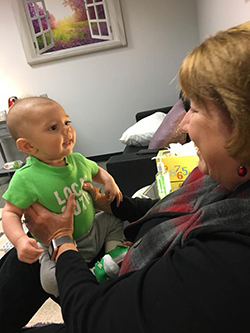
x=51, y=186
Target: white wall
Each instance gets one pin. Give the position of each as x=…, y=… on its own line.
x=214, y=15
x=102, y=91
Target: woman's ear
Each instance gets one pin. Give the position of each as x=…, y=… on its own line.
x=25, y=146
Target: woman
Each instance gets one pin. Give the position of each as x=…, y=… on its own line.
x=188, y=269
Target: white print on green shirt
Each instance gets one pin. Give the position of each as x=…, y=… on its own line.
x=77, y=189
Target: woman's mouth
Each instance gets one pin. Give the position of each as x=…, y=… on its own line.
x=197, y=149
x=198, y=152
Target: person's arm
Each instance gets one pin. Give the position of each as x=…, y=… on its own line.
x=140, y=301
x=111, y=189
x=27, y=248
x=194, y=288
x=130, y=209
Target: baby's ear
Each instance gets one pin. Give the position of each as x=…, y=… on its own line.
x=25, y=146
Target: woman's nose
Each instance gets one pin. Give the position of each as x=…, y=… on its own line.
x=184, y=125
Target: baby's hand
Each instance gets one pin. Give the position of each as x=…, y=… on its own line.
x=112, y=191
x=27, y=249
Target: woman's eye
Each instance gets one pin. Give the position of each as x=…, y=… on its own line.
x=193, y=110
x=68, y=122
x=53, y=128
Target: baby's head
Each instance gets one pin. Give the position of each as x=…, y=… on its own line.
x=41, y=128
x=25, y=113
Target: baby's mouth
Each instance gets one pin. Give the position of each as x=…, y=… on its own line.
x=67, y=143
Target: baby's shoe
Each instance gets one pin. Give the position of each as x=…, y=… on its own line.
x=109, y=266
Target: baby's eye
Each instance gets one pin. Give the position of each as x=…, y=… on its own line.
x=68, y=122
x=53, y=128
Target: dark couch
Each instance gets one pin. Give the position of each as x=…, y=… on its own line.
x=134, y=168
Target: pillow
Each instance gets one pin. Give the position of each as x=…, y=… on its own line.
x=169, y=131
x=142, y=132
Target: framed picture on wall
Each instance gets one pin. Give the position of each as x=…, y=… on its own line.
x=56, y=29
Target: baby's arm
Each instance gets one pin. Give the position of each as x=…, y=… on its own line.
x=111, y=189
x=27, y=248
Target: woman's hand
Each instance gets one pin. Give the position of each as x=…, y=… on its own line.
x=100, y=200
x=46, y=225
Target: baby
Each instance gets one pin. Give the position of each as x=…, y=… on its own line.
x=42, y=130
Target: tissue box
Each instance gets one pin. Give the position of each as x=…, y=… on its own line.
x=179, y=167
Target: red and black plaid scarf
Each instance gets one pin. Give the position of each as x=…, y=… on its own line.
x=198, y=203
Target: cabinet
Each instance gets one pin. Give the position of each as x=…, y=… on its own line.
x=4, y=134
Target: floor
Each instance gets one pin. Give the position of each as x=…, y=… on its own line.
x=50, y=312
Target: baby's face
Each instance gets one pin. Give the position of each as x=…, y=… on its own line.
x=51, y=133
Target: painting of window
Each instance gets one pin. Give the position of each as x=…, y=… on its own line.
x=85, y=23
x=73, y=26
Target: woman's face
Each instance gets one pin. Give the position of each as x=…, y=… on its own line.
x=210, y=129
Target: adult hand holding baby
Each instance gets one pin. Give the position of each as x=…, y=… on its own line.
x=39, y=221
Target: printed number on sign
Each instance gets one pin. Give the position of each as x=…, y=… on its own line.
x=178, y=171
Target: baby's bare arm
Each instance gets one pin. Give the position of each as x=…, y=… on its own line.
x=12, y=225
x=27, y=248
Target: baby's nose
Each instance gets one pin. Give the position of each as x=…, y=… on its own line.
x=66, y=129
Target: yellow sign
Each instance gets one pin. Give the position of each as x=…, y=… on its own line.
x=179, y=167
